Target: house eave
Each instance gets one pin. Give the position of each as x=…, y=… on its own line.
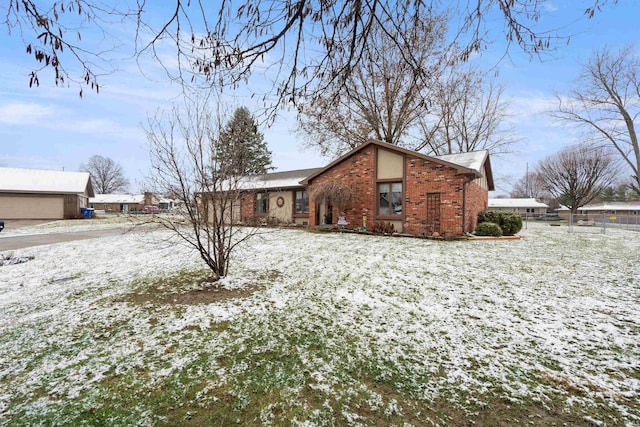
x=62, y=193
x=461, y=169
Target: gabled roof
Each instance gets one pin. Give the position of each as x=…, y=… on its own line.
x=117, y=198
x=516, y=203
x=475, y=160
x=465, y=163
x=15, y=180
x=275, y=180
x=472, y=160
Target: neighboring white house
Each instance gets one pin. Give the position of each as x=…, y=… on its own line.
x=43, y=194
x=563, y=212
x=522, y=206
x=167, y=204
x=123, y=203
x=611, y=208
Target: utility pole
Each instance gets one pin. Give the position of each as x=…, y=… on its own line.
x=526, y=178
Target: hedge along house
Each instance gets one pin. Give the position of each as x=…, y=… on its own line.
x=43, y=194
x=416, y=193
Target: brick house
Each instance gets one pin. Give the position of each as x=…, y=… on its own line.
x=274, y=198
x=416, y=193
x=123, y=203
x=629, y=210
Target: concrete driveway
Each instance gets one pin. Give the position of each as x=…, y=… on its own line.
x=12, y=224
x=19, y=242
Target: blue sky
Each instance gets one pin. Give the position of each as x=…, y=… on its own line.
x=53, y=128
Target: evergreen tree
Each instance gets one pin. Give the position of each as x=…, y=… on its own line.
x=243, y=147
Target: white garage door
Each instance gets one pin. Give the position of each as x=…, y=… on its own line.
x=31, y=207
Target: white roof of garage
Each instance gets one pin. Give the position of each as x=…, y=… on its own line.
x=516, y=203
x=612, y=206
x=15, y=180
x=117, y=198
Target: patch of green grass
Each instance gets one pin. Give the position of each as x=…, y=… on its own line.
x=172, y=281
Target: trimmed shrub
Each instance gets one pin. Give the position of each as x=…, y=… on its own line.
x=509, y=222
x=382, y=227
x=488, y=229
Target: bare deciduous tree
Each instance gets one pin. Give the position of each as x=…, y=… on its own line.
x=605, y=103
x=227, y=42
x=467, y=114
x=187, y=165
x=339, y=194
x=384, y=96
x=576, y=175
x=106, y=175
x=530, y=186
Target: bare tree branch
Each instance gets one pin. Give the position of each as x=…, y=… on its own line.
x=605, y=104
x=106, y=175
x=187, y=165
x=577, y=175
x=305, y=42
x=467, y=114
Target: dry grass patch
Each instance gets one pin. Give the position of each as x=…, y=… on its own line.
x=196, y=287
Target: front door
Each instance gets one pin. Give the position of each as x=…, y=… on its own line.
x=324, y=213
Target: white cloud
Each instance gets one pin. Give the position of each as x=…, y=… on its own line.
x=26, y=113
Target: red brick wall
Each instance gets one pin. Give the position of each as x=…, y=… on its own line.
x=358, y=173
x=247, y=208
x=477, y=201
x=424, y=177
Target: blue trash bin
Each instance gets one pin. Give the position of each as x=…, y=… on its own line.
x=86, y=212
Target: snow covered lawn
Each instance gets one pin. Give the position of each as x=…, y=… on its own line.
x=325, y=329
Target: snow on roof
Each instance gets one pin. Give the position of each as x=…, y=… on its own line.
x=516, y=203
x=44, y=181
x=471, y=160
x=612, y=206
x=287, y=179
x=117, y=198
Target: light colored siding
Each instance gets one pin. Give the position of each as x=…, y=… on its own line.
x=282, y=213
x=31, y=207
x=482, y=182
x=390, y=165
